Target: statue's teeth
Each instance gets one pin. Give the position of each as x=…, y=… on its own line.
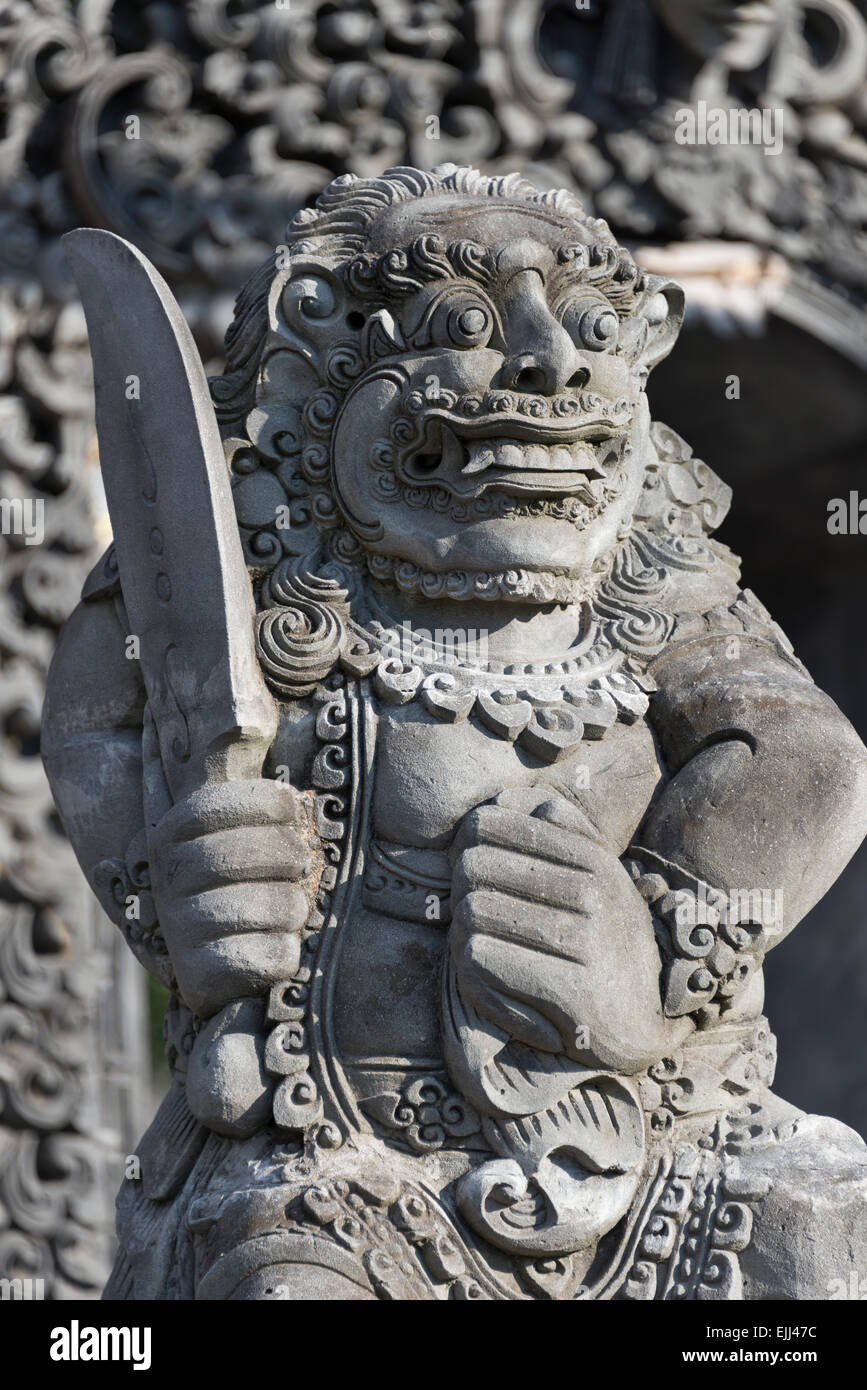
x=479, y=458
x=514, y=455
x=510, y=456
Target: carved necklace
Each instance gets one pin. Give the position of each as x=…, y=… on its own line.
x=306, y=629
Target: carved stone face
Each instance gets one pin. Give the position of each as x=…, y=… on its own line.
x=506, y=429
x=740, y=33
x=445, y=387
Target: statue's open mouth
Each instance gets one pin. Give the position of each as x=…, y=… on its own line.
x=568, y=457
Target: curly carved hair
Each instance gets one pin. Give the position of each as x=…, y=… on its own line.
x=336, y=230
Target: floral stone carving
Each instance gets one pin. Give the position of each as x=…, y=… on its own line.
x=467, y=788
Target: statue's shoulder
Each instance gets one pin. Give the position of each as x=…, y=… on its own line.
x=712, y=617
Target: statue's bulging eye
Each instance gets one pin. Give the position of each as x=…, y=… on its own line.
x=466, y=324
x=599, y=327
x=456, y=317
x=593, y=326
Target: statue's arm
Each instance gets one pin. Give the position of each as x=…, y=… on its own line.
x=769, y=779
x=205, y=890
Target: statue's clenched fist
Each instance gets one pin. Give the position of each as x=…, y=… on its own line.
x=551, y=942
x=233, y=876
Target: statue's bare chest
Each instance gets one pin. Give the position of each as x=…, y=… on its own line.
x=429, y=774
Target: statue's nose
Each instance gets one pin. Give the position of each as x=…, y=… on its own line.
x=541, y=357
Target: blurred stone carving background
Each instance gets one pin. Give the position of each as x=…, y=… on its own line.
x=196, y=129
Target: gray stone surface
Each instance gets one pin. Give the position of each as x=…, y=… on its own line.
x=464, y=887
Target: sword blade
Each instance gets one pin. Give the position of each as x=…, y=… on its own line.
x=184, y=581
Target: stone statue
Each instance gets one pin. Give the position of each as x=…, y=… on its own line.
x=450, y=781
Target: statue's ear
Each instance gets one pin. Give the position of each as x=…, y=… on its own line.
x=313, y=313
x=306, y=307
x=309, y=291
x=651, y=332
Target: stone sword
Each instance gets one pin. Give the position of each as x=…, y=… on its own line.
x=182, y=572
